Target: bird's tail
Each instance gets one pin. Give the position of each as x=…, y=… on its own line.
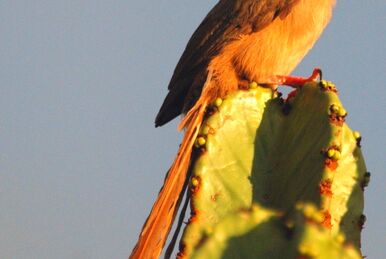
x=157, y=226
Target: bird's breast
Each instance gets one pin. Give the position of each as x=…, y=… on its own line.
x=279, y=47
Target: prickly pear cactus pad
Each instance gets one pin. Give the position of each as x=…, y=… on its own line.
x=263, y=233
x=254, y=147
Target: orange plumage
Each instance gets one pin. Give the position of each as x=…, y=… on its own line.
x=239, y=41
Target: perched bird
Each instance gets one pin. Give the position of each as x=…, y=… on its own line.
x=239, y=41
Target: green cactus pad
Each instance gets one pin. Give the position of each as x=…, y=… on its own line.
x=259, y=149
x=262, y=233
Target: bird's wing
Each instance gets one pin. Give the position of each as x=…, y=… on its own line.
x=227, y=21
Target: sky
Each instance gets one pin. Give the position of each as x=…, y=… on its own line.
x=80, y=84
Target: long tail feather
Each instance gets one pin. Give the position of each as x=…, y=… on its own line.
x=180, y=222
x=157, y=226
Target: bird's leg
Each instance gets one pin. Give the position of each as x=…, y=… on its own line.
x=297, y=82
x=292, y=81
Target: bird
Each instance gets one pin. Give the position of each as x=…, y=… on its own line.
x=239, y=41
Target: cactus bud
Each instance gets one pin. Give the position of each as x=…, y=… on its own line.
x=342, y=112
x=218, y=102
x=253, y=85
x=205, y=130
x=331, y=153
x=323, y=84
x=200, y=141
x=336, y=155
x=358, y=137
x=327, y=86
x=340, y=238
x=334, y=108
x=195, y=182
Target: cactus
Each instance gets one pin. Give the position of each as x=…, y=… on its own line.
x=263, y=233
x=256, y=148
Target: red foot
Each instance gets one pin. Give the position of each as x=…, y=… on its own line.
x=295, y=81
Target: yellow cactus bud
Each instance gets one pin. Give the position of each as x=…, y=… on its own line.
x=340, y=238
x=323, y=84
x=253, y=85
x=201, y=141
x=205, y=130
x=218, y=102
x=309, y=210
x=334, y=108
x=357, y=134
x=331, y=153
x=342, y=112
x=336, y=155
x=195, y=182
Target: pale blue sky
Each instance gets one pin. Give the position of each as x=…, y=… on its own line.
x=80, y=84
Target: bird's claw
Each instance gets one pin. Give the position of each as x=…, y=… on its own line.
x=295, y=81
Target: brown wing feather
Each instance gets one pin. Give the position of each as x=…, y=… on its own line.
x=226, y=22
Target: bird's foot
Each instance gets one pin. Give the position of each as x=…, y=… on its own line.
x=295, y=81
